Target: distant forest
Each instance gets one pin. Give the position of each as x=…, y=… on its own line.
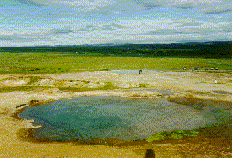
x=213, y=49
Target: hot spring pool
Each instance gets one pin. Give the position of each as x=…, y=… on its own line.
x=104, y=117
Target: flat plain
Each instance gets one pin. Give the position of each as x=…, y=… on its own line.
x=47, y=77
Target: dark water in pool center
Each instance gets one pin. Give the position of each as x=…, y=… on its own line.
x=92, y=117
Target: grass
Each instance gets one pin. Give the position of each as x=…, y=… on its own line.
x=141, y=85
x=230, y=81
x=107, y=86
x=39, y=63
x=33, y=79
x=21, y=88
x=176, y=134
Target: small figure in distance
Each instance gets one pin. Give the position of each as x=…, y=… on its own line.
x=211, y=68
x=140, y=71
x=215, y=82
x=216, y=68
x=184, y=68
x=150, y=153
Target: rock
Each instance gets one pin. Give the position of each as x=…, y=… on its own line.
x=92, y=85
x=22, y=105
x=123, y=85
x=51, y=90
x=34, y=102
x=149, y=153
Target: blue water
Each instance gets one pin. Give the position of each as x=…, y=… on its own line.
x=123, y=72
x=92, y=117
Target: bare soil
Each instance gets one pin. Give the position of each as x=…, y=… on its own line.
x=185, y=88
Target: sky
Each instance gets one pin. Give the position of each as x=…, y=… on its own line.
x=78, y=22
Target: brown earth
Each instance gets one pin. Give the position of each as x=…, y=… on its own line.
x=190, y=88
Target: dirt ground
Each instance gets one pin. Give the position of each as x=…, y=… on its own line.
x=176, y=86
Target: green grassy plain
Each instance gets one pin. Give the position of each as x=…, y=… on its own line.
x=41, y=63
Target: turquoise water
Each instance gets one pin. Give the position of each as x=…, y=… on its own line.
x=87, y=118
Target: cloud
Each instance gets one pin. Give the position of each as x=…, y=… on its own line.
x=219, y=11
x=32, y=35
x=95, y=21
x=187, y=28
x=30, y=2
x=107, y=27
x=88, y=28
x=88, y=4
x=41, y=1
x=166, y=32
x=184, y=3
x=14, y=38
x=61, y=31
x=6, y=38
x=185, y=6
x=226, y=28
x=36, y=36
x=191, y=24
x=112, y=26
x=200, y=6
x=148, y=4
x=117, y=26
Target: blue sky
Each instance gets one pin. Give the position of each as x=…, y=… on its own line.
x=76, y=22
